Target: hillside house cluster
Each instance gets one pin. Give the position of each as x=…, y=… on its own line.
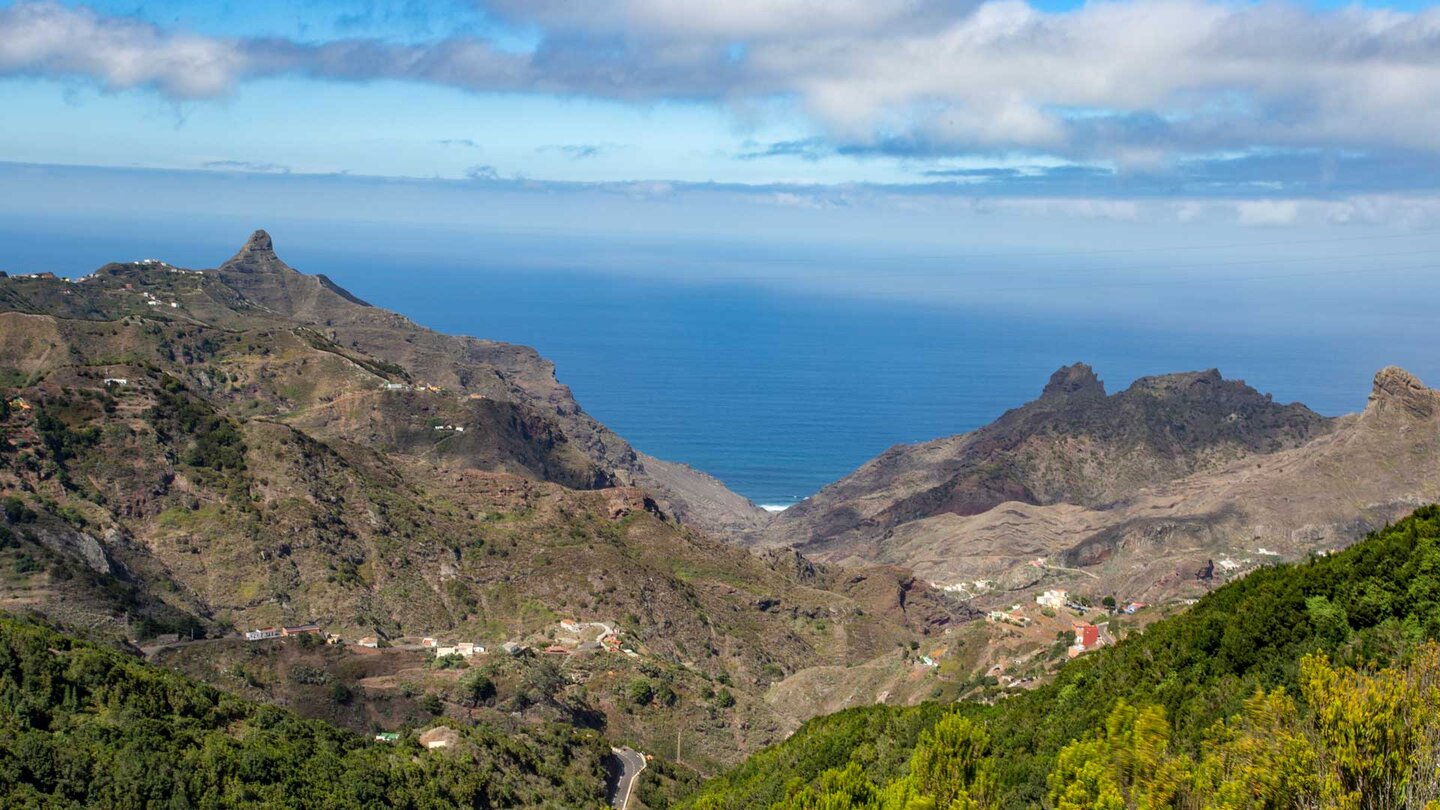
x=464, y=649
x=283, y=632
x=1012, y=616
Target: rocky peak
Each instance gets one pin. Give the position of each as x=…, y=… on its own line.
x=256, y=256
x=1397, y=389
x=1073, y=380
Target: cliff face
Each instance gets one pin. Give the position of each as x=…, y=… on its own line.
x=1132, y=492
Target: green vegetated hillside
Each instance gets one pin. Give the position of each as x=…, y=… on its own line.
x=84, y=726
x=204, y=452
x=1307, y=685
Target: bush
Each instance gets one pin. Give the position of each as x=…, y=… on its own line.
x=311, y=676
x=640, y=692
x=340, y=694
x=16, y=511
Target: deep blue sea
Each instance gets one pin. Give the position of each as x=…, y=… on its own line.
x=778, y=390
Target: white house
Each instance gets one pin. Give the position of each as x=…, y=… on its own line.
x=440, y=737
x=1055, y=599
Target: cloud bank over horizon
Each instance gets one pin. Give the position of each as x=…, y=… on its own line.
x=1138, y=100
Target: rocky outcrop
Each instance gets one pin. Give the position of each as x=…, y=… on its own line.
x=257, y=255
x=66, y=541
x=1077, y=380
x=1398, y=391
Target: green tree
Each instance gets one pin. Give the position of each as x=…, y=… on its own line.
x=476, y=687
x=951, y=762
x=640, y=691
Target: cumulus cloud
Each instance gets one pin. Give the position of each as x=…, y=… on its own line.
x=1135, y=83
x=46, y=39
x=1268, y=212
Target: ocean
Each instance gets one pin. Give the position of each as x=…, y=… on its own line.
x=779, y=389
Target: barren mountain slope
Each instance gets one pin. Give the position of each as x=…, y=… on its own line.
x=1180, y=537
x=1073, y=445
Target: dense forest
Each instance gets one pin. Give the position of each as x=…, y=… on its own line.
x=1307, y=685
x=86, y=726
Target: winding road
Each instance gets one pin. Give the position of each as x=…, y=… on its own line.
x=632, y=762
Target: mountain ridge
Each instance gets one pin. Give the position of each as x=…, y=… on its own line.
x=200, y=452
x=1180, y=466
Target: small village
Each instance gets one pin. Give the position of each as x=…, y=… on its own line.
x=568, y=637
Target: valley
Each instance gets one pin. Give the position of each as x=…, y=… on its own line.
x=192, y=454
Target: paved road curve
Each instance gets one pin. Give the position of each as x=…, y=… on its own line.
x=632, y=762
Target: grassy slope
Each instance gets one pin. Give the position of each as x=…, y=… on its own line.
x=1200, y=666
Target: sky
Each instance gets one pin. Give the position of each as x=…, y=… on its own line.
x=952, y=129
x=1174, y=97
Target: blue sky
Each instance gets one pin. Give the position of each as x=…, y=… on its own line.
x=895, y=92
x=952, y=123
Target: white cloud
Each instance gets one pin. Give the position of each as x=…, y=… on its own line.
x=49, y=39
x=1268, y=212
x=1134, y=82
